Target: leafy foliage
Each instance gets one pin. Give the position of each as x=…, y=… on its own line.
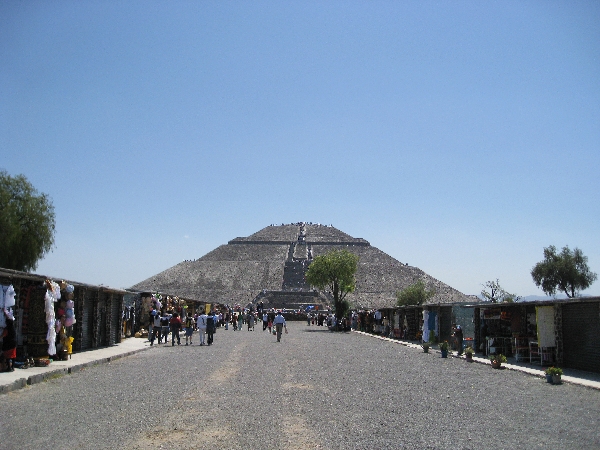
x=415, y=294
x=553, y=371
x=499, y=358
x=495, y=293
x=26, y=223
x=334, y=270
x=566, y=271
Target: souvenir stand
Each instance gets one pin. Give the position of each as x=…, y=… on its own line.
x=499, y=334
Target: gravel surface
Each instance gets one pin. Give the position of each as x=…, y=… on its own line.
x=315, y=389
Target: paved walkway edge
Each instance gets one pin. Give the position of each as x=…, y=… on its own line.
x=12, y=381
x=528, y=370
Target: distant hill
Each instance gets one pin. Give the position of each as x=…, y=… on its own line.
x=534, y=298
x=537, y=298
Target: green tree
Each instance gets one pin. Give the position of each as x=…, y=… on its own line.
x=415, y=294
x=495, y=293
x=334, y=270
x=26, y=223
x=566, y=271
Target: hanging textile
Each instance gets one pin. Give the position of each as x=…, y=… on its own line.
x=52, y=295
x=545, y=326
x=7, y=301
x=433, y=322
x=425, y=326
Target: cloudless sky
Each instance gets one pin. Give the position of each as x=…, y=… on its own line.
x=458, y=137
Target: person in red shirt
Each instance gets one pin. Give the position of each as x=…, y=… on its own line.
x=175, y=324
x=9, y=343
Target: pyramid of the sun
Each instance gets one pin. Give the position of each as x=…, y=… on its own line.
x=270, y=265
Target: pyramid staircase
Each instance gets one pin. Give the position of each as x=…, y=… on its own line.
x=295, y=292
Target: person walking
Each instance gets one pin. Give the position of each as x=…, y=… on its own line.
x=164, y=324
x=458, y=335
x=280, y=324
x=189, y=328
x=265, y=320
x=175, y=324
x=250, y=320
x=211, y=325
x=202, y=327
x=156, y=329
x=153, y=314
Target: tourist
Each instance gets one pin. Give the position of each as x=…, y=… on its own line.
x=378, y=318
x=202, y=321
x=265, y=320
x=9, y=342
x=234, y=321
x=175, y=324
x=250, y=320
x=153, y=314
x=210, y=327
x=156, y=329
x=458, y=336
x=280, y=324
x=331, y=322
x=189, y=328
x=164, y=324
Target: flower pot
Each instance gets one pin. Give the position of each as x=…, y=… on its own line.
x=556, y=379
x=469, y=357
x=496, y=364
x=444, y=353
x=548, y=378
x=425, y=349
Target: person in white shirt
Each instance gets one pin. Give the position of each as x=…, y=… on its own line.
x=202, y=327
x=280, y=324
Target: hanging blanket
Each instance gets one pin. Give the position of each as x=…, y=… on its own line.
x=545, y=326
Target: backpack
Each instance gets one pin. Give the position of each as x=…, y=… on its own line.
x=210, y=322
x=188, y=322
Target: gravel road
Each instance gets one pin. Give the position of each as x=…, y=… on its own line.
x=315, y=389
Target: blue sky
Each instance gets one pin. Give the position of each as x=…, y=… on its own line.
x=458, y=137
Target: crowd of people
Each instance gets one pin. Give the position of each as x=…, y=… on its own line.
x=299, y=224
x=205, y=325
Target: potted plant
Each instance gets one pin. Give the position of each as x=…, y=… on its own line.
x=497, y=360
x=443, y=346
x=469, y=352
x=425, y=346
x=555, y=373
